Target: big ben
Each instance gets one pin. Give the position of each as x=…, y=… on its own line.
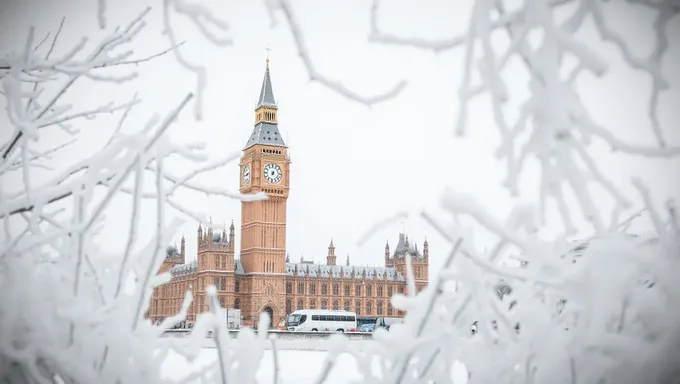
x=265, y=167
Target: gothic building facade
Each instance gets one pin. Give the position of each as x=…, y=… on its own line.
x=263, y=278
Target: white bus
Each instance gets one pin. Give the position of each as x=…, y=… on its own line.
x=321, y=320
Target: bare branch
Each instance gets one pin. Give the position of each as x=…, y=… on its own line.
x=314, y=75
x=101, y=13
x=196, y=13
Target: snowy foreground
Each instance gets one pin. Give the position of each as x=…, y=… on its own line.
x=295, y=367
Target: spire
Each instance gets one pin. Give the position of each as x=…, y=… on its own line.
x=287, y=257
x=266, y=130
x=347, y=263
x=266, y=92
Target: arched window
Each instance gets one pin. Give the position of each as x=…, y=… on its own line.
x=369, y=308
x=357, y=307
x=289, y=287
x=312, y=304
x=389, y=309
x=312, y=288
x=380, y=291
x=336, y=289
x=346, y=289
x=289, y=306
x=336, y=305
x=346, y=305
x=301, y=288
x=324, y=304
x=380, y=308
x=369, y=290
x=357, y=290
x=324, y=289
x=300, y=304
x=237, y=303
x=237, y=286
x=223, y=284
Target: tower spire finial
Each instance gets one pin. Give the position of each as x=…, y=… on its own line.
x=268, y=50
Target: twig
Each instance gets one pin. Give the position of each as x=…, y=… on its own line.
x=314, y=75
x=276, y=361
x=426, y=315
x=164, y=126
x=104, y=46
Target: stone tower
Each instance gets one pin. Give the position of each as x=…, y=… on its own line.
x=265, y=167
x=420, y=262
x=330, y=259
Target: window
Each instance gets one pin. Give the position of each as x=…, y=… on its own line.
x=336, y=289
x=312, y=288
x=357, y=307
x=346, y=305
x=289, y=287
x=346, y=289
x=312, y=304
x=369, y=308
x=401, y=289
x=389, y=291
x=301, y=304
x=237, y=286
x=301, y=288
x=237, y=303
x=380, y=308
x=324, y=289
x=389, y=309
x=369, y=290
x=357, y=290
x=380, y=291
x=289, y=306
x=222, y=301
x=336, y=305
x=324, y=304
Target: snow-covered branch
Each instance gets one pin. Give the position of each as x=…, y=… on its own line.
x=79, y=320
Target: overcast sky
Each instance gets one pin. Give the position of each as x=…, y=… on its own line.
x=351, y=165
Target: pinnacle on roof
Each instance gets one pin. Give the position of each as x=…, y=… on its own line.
x=266, y=92
x=331, y=245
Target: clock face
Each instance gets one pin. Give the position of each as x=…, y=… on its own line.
x=246, y=174
x=272, y=173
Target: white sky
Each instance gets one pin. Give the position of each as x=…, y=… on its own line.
x=352, y=165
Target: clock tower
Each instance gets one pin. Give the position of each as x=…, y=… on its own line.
x=264, y=167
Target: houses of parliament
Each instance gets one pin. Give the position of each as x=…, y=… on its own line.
x=263, y=278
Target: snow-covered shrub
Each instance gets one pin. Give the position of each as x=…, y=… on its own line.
x=602, y=309
x=71, y=311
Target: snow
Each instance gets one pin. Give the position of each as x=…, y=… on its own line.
x=295, y=367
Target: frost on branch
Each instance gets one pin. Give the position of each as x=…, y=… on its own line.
x=600, y=309
x=66, y=314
